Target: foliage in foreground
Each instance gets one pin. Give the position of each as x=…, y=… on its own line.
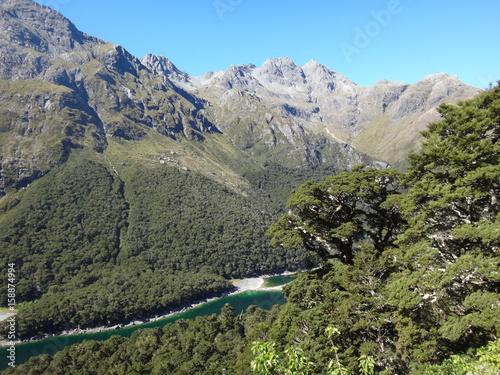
x=267, y=361
x=485, y=361
x=411, y=260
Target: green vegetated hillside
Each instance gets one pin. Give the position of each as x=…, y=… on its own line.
x=410, y=280
x=96, y=244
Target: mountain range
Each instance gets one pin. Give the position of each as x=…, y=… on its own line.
x=114, y=165
x=382, y=121
x=90, y=90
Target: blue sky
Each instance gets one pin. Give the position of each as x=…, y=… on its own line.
x=398, y=40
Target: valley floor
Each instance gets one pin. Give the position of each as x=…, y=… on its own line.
x=243, y=285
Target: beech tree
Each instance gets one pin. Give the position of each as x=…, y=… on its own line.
x=455, y=179
x=446, y=292
x=335, y=217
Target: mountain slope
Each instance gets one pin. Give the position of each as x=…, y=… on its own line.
x=116, y=186
x=67, y=90
x=382, y=121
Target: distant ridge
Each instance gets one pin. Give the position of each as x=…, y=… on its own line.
x=383, y=121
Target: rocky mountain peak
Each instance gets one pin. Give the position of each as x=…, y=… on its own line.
x=312, y=63
x=58, y=83
x=39, y=28
x=281, y=72
x=439, y=77
x=279, y=63
x=161, y=65
x=324, y=80
x=171, y=76
x=237, y=78
x=32, y=35
x=313, y=67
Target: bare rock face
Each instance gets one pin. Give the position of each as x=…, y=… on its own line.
x=163, y=67
x=383, y=121
x=37, y=27
x=32, y=35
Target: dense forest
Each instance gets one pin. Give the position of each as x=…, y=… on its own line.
x=409, y=282
x=93, y=248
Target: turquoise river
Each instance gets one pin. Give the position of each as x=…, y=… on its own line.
x=240, y=302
